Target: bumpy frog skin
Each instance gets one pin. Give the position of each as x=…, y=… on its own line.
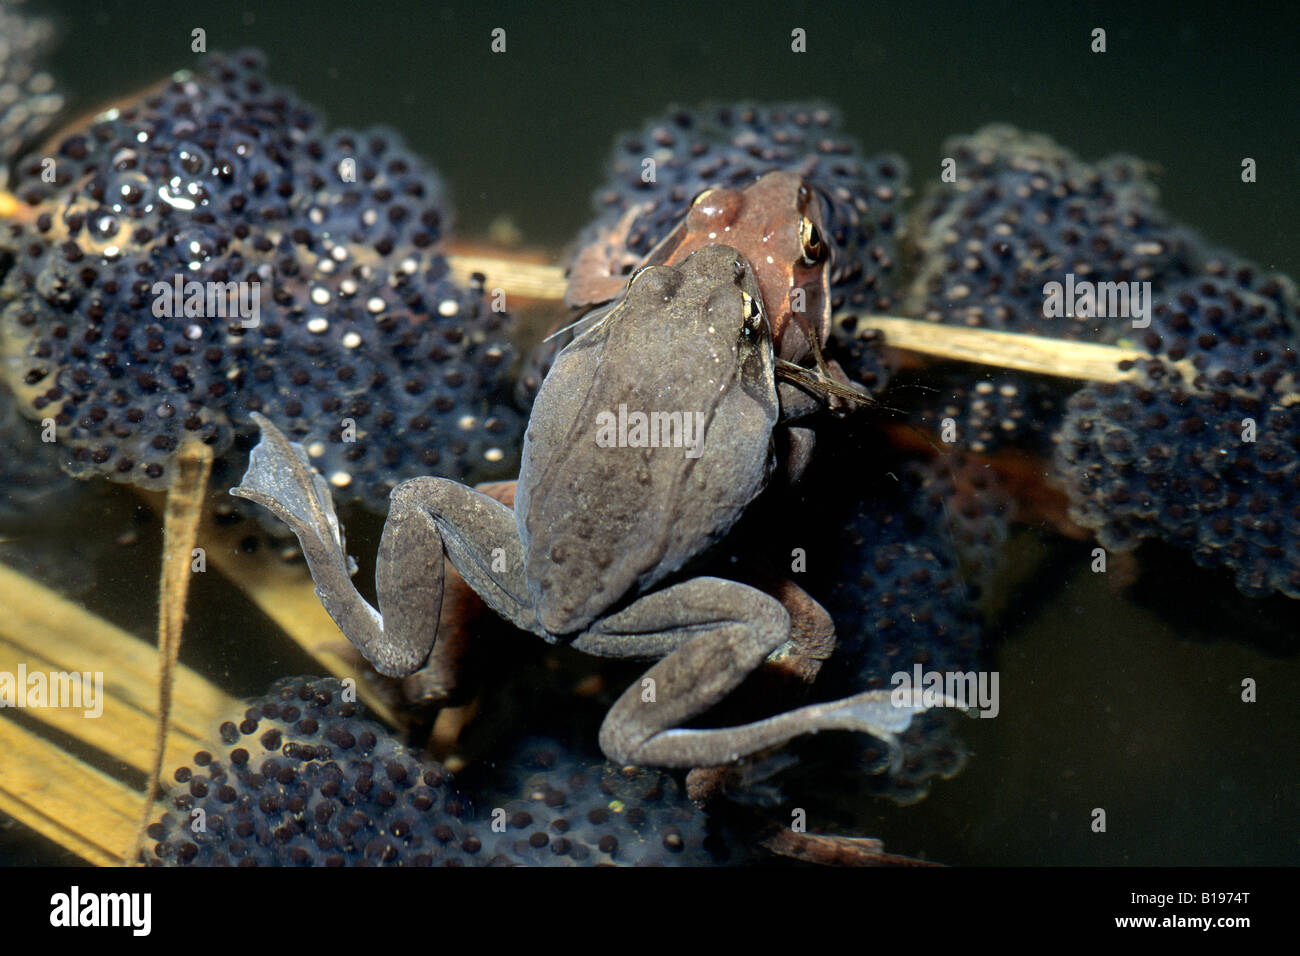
x=597, y=530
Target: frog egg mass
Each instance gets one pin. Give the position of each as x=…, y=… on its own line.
x=566, y=811
x=199, y=257
x=1207, y=457
x=1023, y=213
x=303, y=779
x=996, y=410
x=1198, y=452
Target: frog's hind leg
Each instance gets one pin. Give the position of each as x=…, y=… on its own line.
x=712, y=633
x=479, y=536
x=280, y=479
x=425, y=517
x=430, y=521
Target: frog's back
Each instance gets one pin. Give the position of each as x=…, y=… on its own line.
x=644, y=445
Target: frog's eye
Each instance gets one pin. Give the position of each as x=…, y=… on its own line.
x=702, y=195
x=752, y=311
x=810, y=239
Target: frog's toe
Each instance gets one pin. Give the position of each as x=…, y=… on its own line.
x=881, y=713
x=280, y=479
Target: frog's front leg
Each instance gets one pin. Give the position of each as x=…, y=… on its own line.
x=711, y=633
x=427, y=517
x=798, y=441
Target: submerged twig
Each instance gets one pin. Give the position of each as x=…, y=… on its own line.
x=52, y=790
x=182, y=514
x=533, y=280
x=1041, y=355
x=80, y=808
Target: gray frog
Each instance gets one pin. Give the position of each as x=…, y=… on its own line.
x=603, y=522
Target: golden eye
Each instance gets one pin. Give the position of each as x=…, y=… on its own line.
x=701, y=196
x=810, y=238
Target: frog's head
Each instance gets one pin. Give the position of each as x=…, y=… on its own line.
x=778, y=224
x=649, y=438
x=713, y=296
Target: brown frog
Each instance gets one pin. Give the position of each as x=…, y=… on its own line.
x=776, y=223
